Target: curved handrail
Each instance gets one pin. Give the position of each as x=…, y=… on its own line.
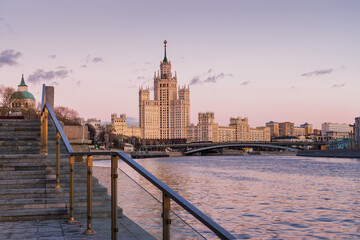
x=207, y=221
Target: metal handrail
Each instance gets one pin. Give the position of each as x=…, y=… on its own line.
x=168, y=193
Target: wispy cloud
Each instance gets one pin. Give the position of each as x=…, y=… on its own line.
x=140, y=70
x=84, y=66
x=97, y=59
x=9, y=57
x=245, y=83
x=48, y=76
x=208, y=77
x=195, y=80
x=94, y=59
x=53, y=56
x=5, y=27
x=338, y=85
x=317, y=72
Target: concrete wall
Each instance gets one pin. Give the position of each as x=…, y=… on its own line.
x=76, y=132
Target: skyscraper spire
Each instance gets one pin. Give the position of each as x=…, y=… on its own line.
x=165, y=59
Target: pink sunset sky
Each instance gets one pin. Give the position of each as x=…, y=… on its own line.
x=278, y=60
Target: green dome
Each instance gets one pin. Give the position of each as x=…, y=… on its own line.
x=22, y=95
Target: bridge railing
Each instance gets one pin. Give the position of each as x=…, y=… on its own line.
x=167, y=193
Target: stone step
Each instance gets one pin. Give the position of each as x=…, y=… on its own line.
x=32, y=203
x=27, y=183
x=20, y=129
x=21, y=150
x=22, y=160
x=20, y=143
x=33, y=214
x=24, y=165
x=22, y=156
x=19, y=138
x=29, y=193
x=26, y=174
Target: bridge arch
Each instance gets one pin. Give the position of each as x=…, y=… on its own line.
x=203, y=149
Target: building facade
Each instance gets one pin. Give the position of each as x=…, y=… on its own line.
x=357, y=132
x=286, y=129
x=308, y=128
x=168, y=115
x=332, y=131
x=274, y=129
x=237, y=131
x=121, y=128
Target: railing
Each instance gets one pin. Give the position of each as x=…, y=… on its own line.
x=167, y=192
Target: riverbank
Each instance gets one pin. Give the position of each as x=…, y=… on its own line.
x=336, y=153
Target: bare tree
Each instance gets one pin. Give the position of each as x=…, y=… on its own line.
x=66, y=115
x=5, y=94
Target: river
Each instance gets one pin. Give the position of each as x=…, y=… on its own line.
x=253, y=197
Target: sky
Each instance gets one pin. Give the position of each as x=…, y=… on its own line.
x=278, y=60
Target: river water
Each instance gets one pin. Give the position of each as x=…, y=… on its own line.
x=253, y=197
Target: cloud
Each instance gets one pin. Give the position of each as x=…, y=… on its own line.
x=195, y=80
x=9, y=57
x=245, y=83
x=42, y=75
x=3, y=26
x=93, y=60
x=338, y=85
x=52, y=56
x=208, y=77
x=84, y=66
x=317, y=72
x=78, y=83
x=140, y=70
x=97, y=59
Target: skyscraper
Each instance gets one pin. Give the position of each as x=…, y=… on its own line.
x=168, y=115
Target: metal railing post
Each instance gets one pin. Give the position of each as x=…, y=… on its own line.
x=57, y=159
x=89, y=195
x=71, y=194
x=166, y=217
x=114, y=176
x=44, y=131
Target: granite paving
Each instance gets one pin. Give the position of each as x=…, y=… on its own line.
x=62, y=230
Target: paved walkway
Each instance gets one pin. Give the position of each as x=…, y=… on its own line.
x=61, y=230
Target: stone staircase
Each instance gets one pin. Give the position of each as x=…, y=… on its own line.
x=27, y=179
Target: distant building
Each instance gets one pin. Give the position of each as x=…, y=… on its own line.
x=121, y=128
x=286, y=129
x=357, y=132
x=332, y=131
x=227, y=134
x=274, y=129
x=22, y=98
x=168, y=115
x=259, y=134
x=96, y=123
x=308, y=128
x=242, y=128
x=299, y=131
x=207, y=128
x=237, y=131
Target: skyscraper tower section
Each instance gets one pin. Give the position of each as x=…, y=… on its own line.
x=168, y=115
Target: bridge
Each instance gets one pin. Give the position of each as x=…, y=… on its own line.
x=288, y=145
x=204, y=149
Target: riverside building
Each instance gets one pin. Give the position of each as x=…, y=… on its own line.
x=167, y=117
x=237, y=131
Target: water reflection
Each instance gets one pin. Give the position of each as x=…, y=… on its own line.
x=261, y=197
